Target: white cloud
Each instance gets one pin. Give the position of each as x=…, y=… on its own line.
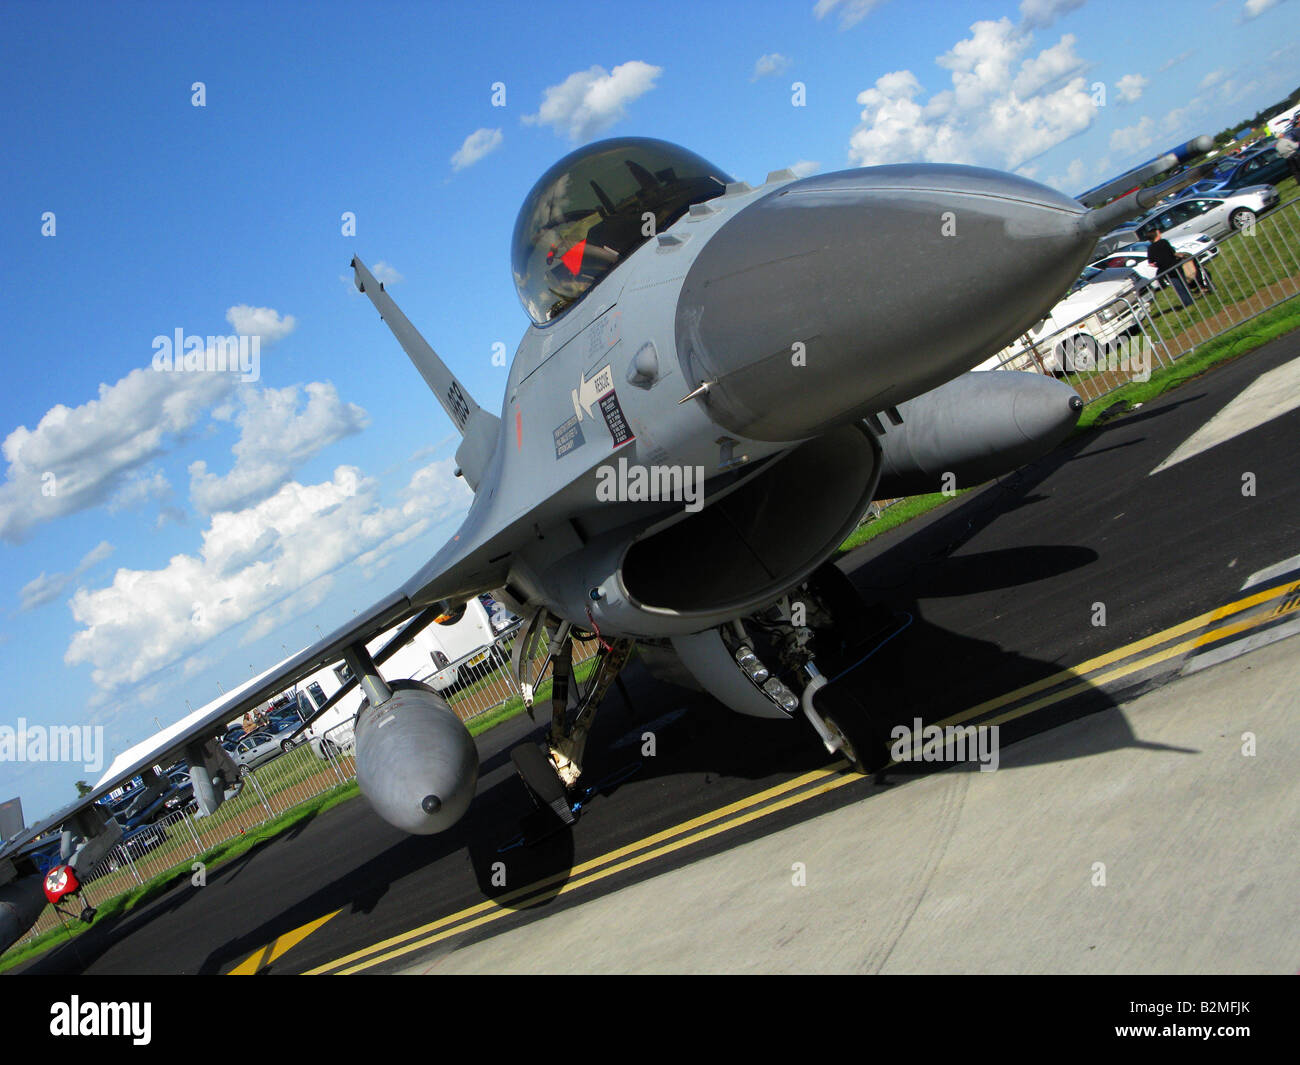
x=275, y=438
x=1049, y=67
x=1130, y=139
x=1073, y=178
x=45, y=589
x=260, y=321
x=1129, y=88
x=141, y=486
x=851, y=12
x=589, y=101
x=476, y=145
x=384, y=274
x=1213, y=78
x=805, y=168
x=1004, y=107
x=250, y=561
x=1039, y=14
x=78, y=457
x=1255, y=8
x=770, y=64
x=1169, y=63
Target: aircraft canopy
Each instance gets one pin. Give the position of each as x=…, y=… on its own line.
x=589, y=211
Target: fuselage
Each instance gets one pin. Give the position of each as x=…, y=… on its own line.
x=787, y=312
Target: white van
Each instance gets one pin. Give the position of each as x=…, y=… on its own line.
x=441, y=656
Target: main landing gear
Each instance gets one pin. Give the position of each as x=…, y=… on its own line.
x=551, y=772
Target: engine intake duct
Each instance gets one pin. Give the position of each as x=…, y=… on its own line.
x=749, y=547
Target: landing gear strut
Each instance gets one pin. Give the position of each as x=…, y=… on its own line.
x=824, y=633
x=551, y=772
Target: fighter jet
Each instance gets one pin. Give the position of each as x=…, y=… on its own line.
x=716, y=382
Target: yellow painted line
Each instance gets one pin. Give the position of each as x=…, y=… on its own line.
x=1124, y=671
x=259, y=960
x=631, y=863
x=537, y=886
x=1119, y=654
x=744, y=810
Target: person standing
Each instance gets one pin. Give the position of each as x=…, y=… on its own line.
x=1286, y=148
x=1161, y=255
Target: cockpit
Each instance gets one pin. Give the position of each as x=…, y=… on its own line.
x=595, y=207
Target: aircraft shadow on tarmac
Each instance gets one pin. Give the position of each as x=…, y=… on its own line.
x=927, y=672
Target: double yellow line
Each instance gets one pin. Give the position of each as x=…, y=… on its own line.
x=1059, y=686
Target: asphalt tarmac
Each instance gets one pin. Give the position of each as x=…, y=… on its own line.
x=1083, y=558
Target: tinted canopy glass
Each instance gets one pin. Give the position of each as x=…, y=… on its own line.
x=589, y=211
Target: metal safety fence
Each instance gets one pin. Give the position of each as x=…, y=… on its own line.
x=1235, y=279
x=474, y=685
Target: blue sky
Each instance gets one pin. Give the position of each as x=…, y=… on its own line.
x=200, y=527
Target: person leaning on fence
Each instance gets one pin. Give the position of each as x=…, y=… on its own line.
x=1161, y=255
x=1286, y=148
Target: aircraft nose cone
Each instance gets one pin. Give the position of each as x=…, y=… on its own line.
x=839, y=295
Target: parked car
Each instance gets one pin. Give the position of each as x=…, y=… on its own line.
x=1102, y=306
x=1215, y=216
x=259, y=748
x=1261, y=166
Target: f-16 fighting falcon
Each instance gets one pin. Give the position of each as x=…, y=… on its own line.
x=716, y=382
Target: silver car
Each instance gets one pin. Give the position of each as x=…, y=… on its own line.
x=1215, y=216
x=259, y=747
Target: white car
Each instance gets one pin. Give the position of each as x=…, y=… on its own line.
x=1093, y=313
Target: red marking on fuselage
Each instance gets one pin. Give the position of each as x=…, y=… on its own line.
x=519, y=430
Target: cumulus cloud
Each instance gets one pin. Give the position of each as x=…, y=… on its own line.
x=384, y=274
x=79, y=457
x=47, y=588
x=805, y=168
x=1173, y=62
x=141, y=486
x=770, y=64
x=1039, y=14
x=260, y=321
x=476, y=146
x=1071, y=179
x=1255, y=8
x=590, y=101
x=1130, y=139
x=276, y=436
x=1129, y=88
x=851, y=12
x=249, y=561
x=1004, y=106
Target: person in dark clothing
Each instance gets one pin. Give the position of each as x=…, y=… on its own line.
x=1162, y=256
